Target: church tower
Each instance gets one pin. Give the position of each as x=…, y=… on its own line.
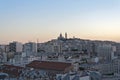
x=60, y=37
x=65, y=35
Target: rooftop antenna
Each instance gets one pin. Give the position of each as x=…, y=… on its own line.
x=37, y=40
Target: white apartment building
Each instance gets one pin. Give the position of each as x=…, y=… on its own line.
x=30, y=47
x=15, y=47
x=105, y=52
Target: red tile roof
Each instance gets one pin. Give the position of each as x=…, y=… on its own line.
x=47, y=65
x=11, y=69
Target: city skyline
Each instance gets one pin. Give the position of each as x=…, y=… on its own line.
x=28, y=20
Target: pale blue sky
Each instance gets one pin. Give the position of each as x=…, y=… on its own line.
x=27, y=20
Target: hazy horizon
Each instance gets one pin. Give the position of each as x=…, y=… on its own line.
x=29, y=20
x=38, y=41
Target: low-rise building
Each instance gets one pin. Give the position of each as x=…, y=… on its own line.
x=50, y=68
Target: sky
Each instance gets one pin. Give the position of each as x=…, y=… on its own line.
x=29, y=20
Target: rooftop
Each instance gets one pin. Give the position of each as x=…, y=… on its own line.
x=11, y=69
x=47, y=65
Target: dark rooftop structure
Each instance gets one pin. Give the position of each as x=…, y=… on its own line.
x=11, y=70
x=47, y=65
